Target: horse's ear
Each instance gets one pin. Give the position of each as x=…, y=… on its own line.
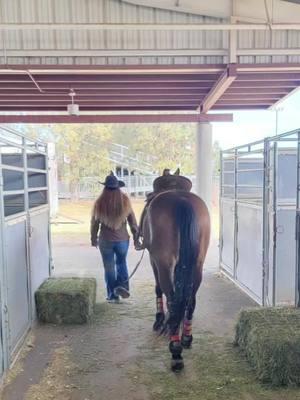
x=177, y=172
x=166, y=172
x=111, y=173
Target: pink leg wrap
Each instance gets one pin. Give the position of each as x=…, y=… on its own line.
x=159, y=305
x=187, y=327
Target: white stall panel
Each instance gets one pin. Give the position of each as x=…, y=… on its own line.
x=287, y=177
x=227, y=235
x=1, y=354
x=17, y=282
x=249, y=249
x=39, y=250
x=285, y=269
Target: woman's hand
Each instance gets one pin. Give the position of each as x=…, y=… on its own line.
x=138, y=245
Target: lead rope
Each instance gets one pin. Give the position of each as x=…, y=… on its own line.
x=136, y=267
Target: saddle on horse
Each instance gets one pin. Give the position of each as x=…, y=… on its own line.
x=164, y=183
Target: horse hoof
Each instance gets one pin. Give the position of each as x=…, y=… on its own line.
x=186, y=341
x=159, y=321
x=176, y=350
x=177, y=364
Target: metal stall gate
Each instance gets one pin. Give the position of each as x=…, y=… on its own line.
x=260, y=218
x=25, y=249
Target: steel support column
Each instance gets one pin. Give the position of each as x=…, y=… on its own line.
x=204, y=162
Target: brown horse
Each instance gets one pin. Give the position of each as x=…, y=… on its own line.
x=175, y=227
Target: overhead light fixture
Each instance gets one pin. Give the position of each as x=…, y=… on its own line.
x=73, y=109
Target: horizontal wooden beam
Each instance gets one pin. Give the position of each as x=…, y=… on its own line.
x=234, y=91
x=115, y=118
x=65, y=87
x=248, y=107
x=264, y=84
x=120, y=78
x=104, y=92
x=89, y=100
x=268, y=76
x=157, y=107
x=116, y=69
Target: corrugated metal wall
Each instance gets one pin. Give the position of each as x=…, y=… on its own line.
x=211, y=45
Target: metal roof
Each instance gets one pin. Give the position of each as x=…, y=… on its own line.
x=114, y=32
x=255, y=10
x=182, y=56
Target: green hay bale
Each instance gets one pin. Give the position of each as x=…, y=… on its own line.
x=66, y=300
x=270, y=338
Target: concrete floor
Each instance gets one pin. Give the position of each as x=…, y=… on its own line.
x=101, y=360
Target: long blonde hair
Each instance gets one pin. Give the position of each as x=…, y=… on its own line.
x=112, y=208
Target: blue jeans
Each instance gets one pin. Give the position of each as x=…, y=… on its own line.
x=115, y=266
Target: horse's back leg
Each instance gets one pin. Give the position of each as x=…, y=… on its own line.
x=160, y=313
x=166, y=274
x=187, y=336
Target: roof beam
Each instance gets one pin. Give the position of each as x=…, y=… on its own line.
x=146, y=27
x=219, y=88
x=115, y=118
x=263, y=84
x=82, y=93
x=146, y=69
x=268, y=76
x=248, y=107
x=63, y=86
x=115, y=53
x=116, y=69
x=235, y=91
x=92, y=78
x=99, y=99
x=290, y=51
x=148, y=52
x=117, y=108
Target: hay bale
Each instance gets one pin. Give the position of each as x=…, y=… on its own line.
x=270, y=338
x=66, y=300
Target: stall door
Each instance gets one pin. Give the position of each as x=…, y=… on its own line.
x=18, y=298
x=39, y=250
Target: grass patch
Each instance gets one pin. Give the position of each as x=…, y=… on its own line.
x=270, y=338
x=66, y=300
x=213, y=370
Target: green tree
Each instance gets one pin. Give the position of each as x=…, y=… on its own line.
x=82, y=152
x=168, y=145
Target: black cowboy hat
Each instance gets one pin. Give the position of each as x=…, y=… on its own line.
x=112, y=182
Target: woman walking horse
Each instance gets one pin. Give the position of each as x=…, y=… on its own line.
x=175, y=227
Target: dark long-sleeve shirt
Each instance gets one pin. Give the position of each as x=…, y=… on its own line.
x=113, y=235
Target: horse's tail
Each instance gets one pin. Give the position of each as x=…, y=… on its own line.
x=189, y=236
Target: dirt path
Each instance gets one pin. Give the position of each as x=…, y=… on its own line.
x=118, y=357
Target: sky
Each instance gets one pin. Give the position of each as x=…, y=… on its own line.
x=249, y=126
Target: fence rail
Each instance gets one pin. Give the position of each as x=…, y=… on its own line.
x=135, y=185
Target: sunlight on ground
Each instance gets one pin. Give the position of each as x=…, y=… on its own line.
x=74, y=217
